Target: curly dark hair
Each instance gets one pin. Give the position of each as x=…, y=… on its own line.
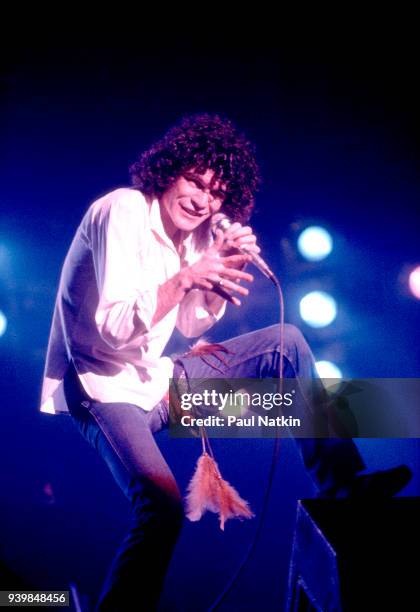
x=202, y=142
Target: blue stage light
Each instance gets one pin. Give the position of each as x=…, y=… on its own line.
x=328, y=369
x=414, y=282
x=318, y=309
x=315, y=243
x=3, y=323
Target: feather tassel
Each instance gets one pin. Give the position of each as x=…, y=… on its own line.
x=209, y=491
x=204, y=349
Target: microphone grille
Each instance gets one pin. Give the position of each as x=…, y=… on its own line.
x=220, y=221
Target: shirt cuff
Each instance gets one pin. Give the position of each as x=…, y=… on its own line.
x=145, y=307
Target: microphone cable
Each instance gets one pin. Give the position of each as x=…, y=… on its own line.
x=274, y=460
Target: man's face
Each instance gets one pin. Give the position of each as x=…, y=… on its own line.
x=192, y=199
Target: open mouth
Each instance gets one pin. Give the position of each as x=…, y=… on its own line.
x=193, y=213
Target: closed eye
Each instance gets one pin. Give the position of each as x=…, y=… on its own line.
x=196, y=182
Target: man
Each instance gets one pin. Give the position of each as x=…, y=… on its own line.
x=142, y=262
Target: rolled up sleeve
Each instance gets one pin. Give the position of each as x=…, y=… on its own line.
x=194, y=316
x=127, y=290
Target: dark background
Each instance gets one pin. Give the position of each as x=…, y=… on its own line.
x=335, y=123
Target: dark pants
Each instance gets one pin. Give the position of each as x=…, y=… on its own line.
x=123, y=436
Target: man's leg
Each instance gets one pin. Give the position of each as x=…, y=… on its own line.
x=331, y=462
x=123, y=435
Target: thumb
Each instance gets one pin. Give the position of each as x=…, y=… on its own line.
x=219, y=239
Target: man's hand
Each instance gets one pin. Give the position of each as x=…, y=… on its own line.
x=220, y=272
x=236, y=237
x=221, y=268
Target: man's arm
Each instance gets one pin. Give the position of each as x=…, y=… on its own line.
x=221, y=262
x=126, y=295
x=129, y=303
x=204, y=275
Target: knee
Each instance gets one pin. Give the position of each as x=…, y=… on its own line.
x=297, y=352
x=293, y=339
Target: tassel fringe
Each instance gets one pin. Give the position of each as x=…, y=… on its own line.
x=207, y=490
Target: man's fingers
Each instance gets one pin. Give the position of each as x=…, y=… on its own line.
x=232, y=229
x=245, y=242
x=240, y=237
x=219, y=240
x=220, y=290
x=229, y=285
x=237, y=232
x=206, y=284
x=232, y=260
x=237, y=275
x=251, y=247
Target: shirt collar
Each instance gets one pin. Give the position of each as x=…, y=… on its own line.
x=156, y=225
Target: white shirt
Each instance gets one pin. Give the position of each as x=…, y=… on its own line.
x=106, y=299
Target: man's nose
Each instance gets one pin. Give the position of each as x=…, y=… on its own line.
x=201, y=199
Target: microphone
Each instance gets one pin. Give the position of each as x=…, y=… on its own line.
x=222, y=222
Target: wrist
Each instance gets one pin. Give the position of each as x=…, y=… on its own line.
x=185, y=279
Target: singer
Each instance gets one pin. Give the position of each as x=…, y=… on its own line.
x=143, y=261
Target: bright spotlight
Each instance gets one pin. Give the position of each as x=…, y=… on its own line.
x=315, y=243
x=328, y=369
x=318, y=309
x=414, y=282
x=3, y=323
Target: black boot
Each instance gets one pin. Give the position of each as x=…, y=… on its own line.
x=377, y=485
